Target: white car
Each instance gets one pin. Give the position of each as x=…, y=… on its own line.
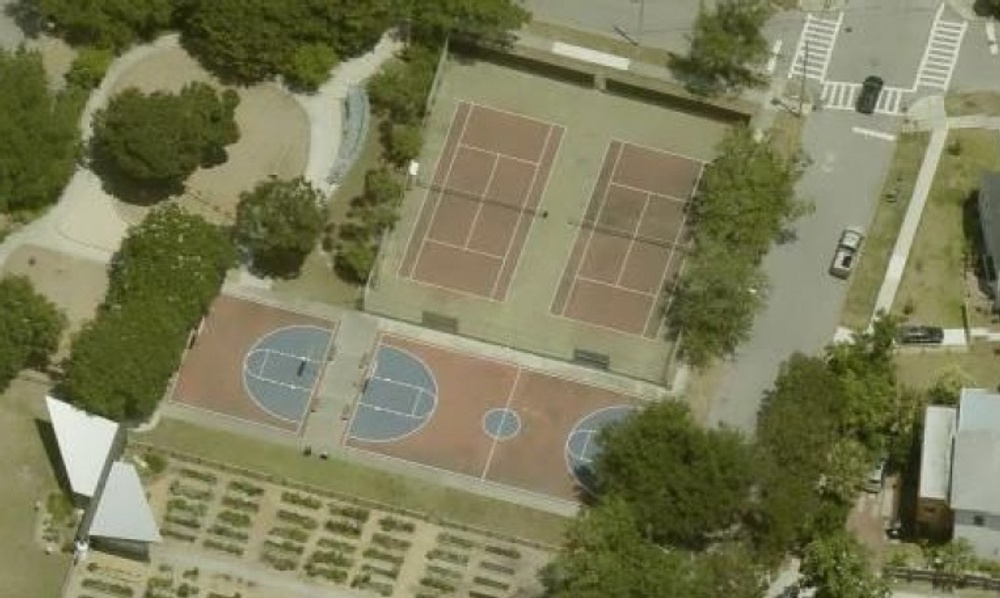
x=848, y=249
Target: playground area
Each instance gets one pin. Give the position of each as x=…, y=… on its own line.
x=547, y=217
x=488, y=419
x=255, y=363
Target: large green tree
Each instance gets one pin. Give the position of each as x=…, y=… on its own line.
x=279, y=223
x=162, y=280
x=837, y=566
x=113, y=24
x=39, y=131
x=157, y=140
x=30, y=327
x=682, y=482
x=728, y=48
x=299, y=40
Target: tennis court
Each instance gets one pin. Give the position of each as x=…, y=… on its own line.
x=631, y=241
x=483, y=197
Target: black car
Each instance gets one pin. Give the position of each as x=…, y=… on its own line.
x=868, y=97
x=921, y=335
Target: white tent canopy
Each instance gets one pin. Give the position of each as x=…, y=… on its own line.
x=84, y=443
x=123, y=512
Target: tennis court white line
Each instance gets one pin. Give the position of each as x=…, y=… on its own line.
x=398, y=383
x=427, y=196
x=440, y=197
x=631, y=241
x=597, y=218
x=476, y=148
x=460, y=248
x=289, y=355
x=670, y=260
x=582, y=456
x=496, y=441
x=616, y=286
x=521, y=214
x=263, y=364
x=481, y=201
x=648, y=192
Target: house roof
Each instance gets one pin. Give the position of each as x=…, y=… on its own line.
x=123, y=511
x=935, y=456
x=989, y=213
x=84, y=441
x=975, y=482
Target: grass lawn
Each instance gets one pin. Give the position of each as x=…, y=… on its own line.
x=972, y=102
x=932, y=288
x=921, y=369
x=883, y=230
x=318, y=281
x=27, y=476
x=361, y=481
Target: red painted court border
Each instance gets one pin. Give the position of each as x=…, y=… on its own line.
x=469, y=385
x=456, y=263
x=610, y=305
x=210, y=378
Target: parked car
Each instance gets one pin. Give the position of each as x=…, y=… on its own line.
x=876, y=477
x=871, y=89
x=920, y=335
x=846, y=254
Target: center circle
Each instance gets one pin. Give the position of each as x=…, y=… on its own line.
x=501, y=423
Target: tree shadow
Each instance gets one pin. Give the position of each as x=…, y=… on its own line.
x=285, y=265
x=116, y=182
x=585, y=487
x=983, y=8
x=972, y=234
x=692, y=77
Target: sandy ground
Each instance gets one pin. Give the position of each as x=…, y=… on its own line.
x=76, y=285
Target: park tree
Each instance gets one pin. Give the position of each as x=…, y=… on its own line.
x=89, y=67
x=402, y=142
x=157, y=140
x=728, y=48
x=746, y=196
x=485, y=21
x=248, y=41
x=848, y=461
x=682, y=482
x=947, y=388
x=30, y=328
x=838, y=566
x=39, y=131
x=399, y=91
x=715, y=303
x=111, y=24
x=605, y=554
x=952, y=560
x=279, y=222
x=162, y=280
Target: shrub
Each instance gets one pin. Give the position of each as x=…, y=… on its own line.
x=240, y=504
x=389, y=542
x=183, y=521
x=391, y=524
x=359, y=514
x=234, y=518
x=115, y=589
x=290, y=533
x=202, y=476
x=228, y=532
x=376, y=554
x=444, y=572
x=331, y=557
x=156, y=463
x=497, y=568
x=491, y=583
x=452, y=540
x=337, y=545
x=301, y=500
x=284, y=546
x=437, y=584
x=392, y=573
x=344, y=528
x=280, y=563
x=507, y=551
x=245, y=488
x=297, y=519
x=169, y=533
x=439, y=554
x=335, y=575
x=234, y=549
x=179, y=489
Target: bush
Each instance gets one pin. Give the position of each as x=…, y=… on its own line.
x=453, y=540
x=507, y=551
x=183, y=521
x=176, y=535
x=115, y=589
x=359, y=514
x=491, y=583
x=497, y=568
x=240, y=504
x=334, y=575
x=89, y=67
x=202, y=476
x=336, y=545
x=235, y=519
x=390, y=543
x=343, y=528
x=290, y=533
x=179, y=504
x=437, y=584
x=391, y=524
x=332, y=557
x=156, y=462
x=284, y=546
x=245, y=488
x=280, y=563
x=376, y=554
x=227, y=532
x=301, y=500
x=448, y=556
x=234, y=549
x=297, y=519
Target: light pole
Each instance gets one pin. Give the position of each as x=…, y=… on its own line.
x=641, y=18
x=805, y=71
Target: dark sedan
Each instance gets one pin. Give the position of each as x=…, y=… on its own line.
x=871, y=89
x=920, y=335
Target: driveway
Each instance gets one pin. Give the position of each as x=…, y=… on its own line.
x=804, y=302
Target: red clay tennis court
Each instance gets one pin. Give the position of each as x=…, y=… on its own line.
x=489, y=419
x=631, y=242
x=484, y=195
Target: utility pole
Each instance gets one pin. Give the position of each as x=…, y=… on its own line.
x=642, y=17
x=805, y=71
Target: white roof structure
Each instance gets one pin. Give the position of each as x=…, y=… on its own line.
x=84, y=442
x=123, y=512
x=975, y=483
x=935, y=458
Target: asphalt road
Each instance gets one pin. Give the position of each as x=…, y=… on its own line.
x=804, y=301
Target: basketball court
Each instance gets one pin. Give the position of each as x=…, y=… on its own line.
x=255, y=363
x=488, y=419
